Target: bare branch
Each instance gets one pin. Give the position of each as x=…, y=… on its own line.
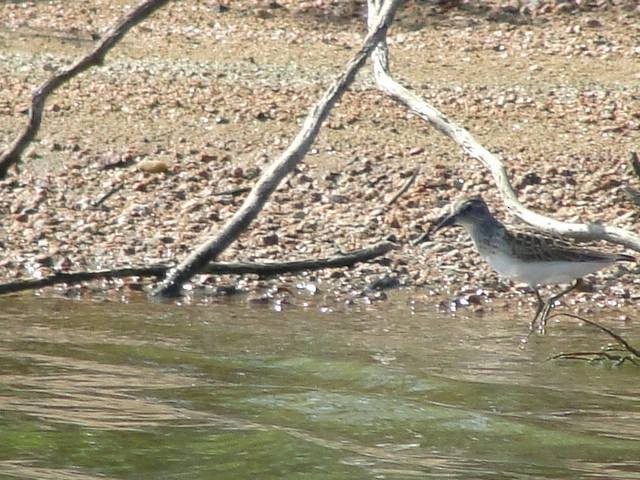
x=96, y=57
x=215, y=268
x=584, y=231
x=280, y=168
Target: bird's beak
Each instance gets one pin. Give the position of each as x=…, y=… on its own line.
x=442, y=222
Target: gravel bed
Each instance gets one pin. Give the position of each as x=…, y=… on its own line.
x=199, y=101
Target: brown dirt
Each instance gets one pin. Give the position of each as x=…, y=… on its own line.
x=217, y=95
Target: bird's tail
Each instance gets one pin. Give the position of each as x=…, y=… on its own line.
x=623, y=257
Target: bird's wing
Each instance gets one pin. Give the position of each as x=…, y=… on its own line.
x=534, y=245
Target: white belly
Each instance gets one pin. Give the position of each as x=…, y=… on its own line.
x=541, y=273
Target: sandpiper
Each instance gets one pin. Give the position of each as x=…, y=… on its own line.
x=524, y=255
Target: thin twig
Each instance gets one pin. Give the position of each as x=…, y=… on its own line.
x=590, y=356
x=634, y=162
x=216, y=268
x=609, y=332
x=404, y=188
x=233, y=191
x=95, y=57
x=105, y=196
x=603, y=353
x=583, y=355
x=424, y=236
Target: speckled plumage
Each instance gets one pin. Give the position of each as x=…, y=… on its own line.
x=525, y=255
x=534, y=246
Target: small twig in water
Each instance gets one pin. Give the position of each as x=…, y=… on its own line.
x=591, y=356
x=620, y=359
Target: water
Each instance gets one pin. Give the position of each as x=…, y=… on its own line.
x=232, y=391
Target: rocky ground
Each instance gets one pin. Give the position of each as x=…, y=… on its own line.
x=197, y=100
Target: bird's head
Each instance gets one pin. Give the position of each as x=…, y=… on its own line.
x=465, y=212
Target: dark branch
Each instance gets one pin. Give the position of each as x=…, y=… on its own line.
x=216, y=268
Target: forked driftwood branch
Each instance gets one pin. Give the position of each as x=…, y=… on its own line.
x=281, y=167
x=583, y=231
x=95, y=57
x=216, y=268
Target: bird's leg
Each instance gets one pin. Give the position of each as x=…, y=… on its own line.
x=554, y=299
x=541, y=305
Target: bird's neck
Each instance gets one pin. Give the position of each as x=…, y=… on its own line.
x=484, y=231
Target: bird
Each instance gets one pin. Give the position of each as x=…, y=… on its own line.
x=523, y=254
